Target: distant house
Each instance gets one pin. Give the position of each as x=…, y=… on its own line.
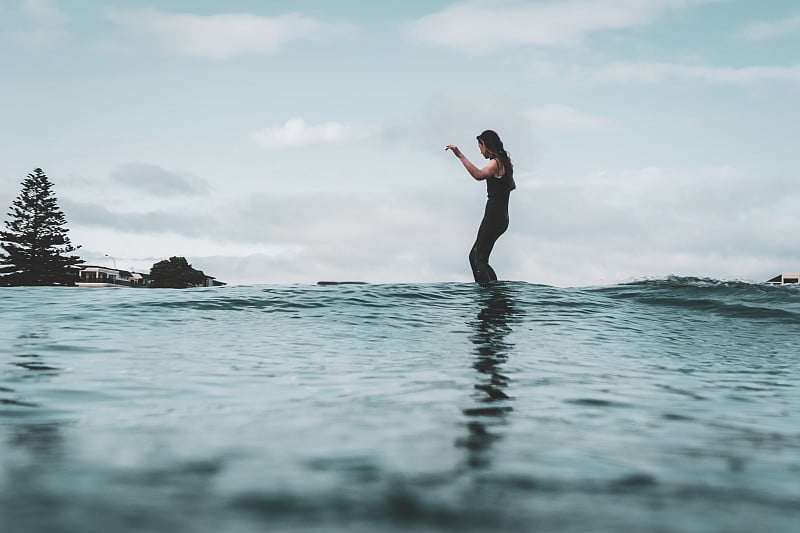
x=211, y=281
x=100, y=276
x=785, y=278
x=140, y=279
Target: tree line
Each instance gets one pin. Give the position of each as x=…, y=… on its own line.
x=37, y=249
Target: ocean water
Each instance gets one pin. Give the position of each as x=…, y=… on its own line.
x=666, y=406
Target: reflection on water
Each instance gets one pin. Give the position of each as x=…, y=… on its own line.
x=491, y=349
x=35, y=435
x=34, y=444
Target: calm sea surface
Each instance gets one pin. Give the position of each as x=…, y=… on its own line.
x=668, y=406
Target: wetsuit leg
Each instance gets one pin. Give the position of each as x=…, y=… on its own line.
x=492, y=226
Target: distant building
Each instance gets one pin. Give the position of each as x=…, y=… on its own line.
x=100, y=276
x=211, y=281
x=140, y=279
x=785, y=278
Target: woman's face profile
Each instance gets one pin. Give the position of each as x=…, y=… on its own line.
x=482, y=148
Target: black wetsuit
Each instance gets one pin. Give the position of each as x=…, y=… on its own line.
x=494, y=224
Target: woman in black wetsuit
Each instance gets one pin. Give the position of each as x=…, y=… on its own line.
x=499, y=176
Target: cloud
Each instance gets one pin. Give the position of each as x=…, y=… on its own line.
x=602, y=227
x=758, y=31
x=296, y=133
x=654, y=72
x=224, y=36
x=405, y=236
x=714, y=221
x=657, y=72
x=307, y=219
x=562, y=118
x=155, y=180
x=477, y=26
x=43, y=10
x=46, y=24
x=149, y=222
x=362, y=227
x=309, y=236
x=458, y=117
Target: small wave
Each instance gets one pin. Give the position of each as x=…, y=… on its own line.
x=596, y=402
x=692, y=281
x=18, y=403
x=738, y=299
x=298, y=298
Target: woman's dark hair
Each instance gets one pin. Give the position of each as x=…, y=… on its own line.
x=491, y=140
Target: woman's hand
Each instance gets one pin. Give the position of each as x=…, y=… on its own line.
x=454, y=148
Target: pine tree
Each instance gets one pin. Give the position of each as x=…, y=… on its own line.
x=35, y=240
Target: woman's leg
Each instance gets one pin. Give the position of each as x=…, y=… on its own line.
x=488, y=234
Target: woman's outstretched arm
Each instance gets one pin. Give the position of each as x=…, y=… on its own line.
x=487, y=171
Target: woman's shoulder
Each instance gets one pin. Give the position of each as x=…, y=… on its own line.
x=500, y=169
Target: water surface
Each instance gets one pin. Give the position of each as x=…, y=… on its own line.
x=664, y=406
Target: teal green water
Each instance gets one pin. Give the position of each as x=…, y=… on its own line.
x=669, y=406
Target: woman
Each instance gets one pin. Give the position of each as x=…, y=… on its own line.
x=499, y=176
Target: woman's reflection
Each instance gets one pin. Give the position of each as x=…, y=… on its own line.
x=491, y=328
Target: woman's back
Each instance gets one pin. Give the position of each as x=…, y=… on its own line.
x=502, y=186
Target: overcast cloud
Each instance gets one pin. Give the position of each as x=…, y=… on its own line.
x=478, y=26
x=295, y=133
x=288, y=145
x=772, y=29
x=658, y=72
x=612, y=226
x=222, y=36
x=152, y=179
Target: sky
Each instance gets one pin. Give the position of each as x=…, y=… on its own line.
x=291, y=142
